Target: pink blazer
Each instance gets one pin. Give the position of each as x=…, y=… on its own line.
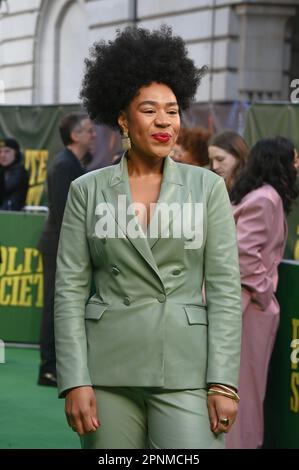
x=261, y=233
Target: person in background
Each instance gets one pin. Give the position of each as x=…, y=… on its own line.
x=228, y=152
x=14, y=176
x=261, y=196
x=144, y=362
x=191, y=147
x=78, y=134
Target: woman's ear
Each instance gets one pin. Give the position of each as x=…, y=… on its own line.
x=123, y=122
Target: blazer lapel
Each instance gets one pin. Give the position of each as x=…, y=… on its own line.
x=118, y=195
x=173, y=194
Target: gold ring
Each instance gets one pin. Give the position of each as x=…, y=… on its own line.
x=224, y=421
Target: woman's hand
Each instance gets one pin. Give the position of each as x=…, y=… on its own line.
x=220, y=410
x=81, y=410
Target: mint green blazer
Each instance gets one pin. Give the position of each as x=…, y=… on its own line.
x=148, y=324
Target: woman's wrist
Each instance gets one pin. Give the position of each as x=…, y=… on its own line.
x=223, y=390
x=224, y=386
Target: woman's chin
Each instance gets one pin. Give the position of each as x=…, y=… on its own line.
x=162, y=152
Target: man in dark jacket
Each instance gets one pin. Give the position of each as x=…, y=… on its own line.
x=13, y=176
x=78, y=135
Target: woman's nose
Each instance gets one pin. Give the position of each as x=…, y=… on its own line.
x=162, y=120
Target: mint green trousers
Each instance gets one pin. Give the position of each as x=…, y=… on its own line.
x=152, y=418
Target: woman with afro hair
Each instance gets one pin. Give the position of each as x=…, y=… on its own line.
x=144, y=362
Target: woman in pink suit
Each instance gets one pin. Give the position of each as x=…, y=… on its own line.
x=261, y=196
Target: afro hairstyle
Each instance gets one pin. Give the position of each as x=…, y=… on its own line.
x=116, y=71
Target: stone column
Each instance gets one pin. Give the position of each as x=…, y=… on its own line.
x=261, y=60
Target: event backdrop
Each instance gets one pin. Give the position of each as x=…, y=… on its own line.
x=36, y=129
x=282, y=398
x=271, y=120
x=21, y=277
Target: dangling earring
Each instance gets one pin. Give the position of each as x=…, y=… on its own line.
x=125, y=141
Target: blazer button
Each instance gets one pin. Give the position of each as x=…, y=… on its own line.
x=115, y=270
x=161, y=298
x=176, y=272
x=127, y=301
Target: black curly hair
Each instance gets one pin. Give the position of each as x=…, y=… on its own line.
x=270, y=161
x=137, y=57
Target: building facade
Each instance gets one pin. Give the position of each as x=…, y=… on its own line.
x=250, y=47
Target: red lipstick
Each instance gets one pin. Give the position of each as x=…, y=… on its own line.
x=161, y=137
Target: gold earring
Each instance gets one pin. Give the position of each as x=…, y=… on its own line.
x=125, y=141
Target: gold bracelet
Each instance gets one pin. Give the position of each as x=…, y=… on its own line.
x=214, y=391
x=225, y=387
x=233, y=396
x=218, y=392
x=228, y=389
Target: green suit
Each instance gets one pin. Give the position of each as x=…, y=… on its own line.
x=147, y=325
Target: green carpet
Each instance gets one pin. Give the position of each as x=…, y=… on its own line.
x=31, y=416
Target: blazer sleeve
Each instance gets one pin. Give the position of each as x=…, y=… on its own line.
x=223, y=290
x=72, y=289
x=253, y=225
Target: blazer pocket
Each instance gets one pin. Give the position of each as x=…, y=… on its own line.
x=196, y=315
x=94, y=311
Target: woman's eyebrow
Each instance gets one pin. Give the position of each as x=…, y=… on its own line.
x=153, y=103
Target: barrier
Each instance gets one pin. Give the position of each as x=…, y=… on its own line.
x=282, y=398
x=21, y=276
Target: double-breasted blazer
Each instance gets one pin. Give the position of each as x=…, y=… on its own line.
x=147, y=323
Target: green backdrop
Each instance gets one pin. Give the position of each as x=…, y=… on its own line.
x=36, y=129
x=21, y=277
x=270, y=120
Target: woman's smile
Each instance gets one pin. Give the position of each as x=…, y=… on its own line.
x=162, y=137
